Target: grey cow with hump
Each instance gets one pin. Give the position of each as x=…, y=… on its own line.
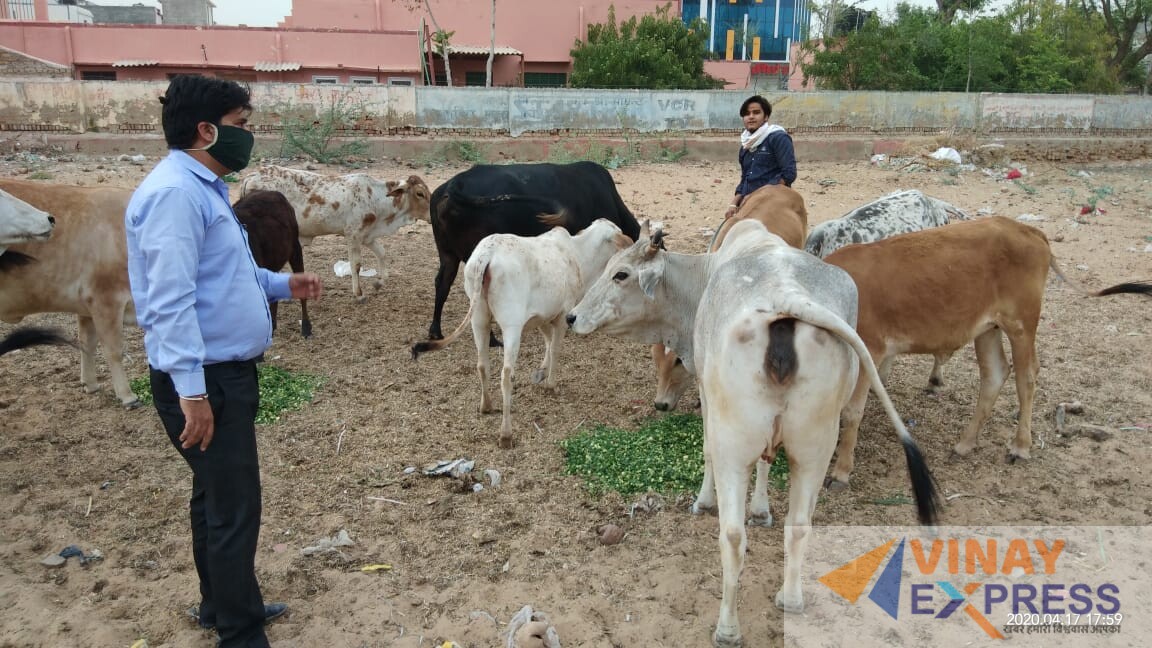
x=769, y=332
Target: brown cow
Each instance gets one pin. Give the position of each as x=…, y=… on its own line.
x=782, y=211
x=274, y=238
x=932, y=292
x=81, y=269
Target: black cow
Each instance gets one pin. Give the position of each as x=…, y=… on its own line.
x=274, y=238
x=507, y=199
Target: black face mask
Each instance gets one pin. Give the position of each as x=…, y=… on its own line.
x=232, y=147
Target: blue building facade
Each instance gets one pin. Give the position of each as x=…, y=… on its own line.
x=752, y=30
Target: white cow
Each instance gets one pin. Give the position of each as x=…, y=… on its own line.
x=20, y=223
x=81, y=269
x=899, y=212
x=357, y=205
x=769, y=331
x=522, y=281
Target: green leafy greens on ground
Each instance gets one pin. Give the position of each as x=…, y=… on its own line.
x=280, y=391
x=665, y=455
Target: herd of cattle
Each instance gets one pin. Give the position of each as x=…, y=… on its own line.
x=785, y=330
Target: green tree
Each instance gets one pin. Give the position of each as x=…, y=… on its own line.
x=657, y=51
x=1128, y=23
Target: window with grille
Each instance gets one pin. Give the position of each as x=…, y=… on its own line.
x=475, y=78
x=98, y=75
x=545, y=79
x=326, y=80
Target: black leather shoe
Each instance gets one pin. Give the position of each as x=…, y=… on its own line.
x=272, y=611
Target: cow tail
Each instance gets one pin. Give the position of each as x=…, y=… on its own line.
x=31, y=336
x=923, y=484
x=1137, y=287
x=780, y=358
x=436, y=345
x=1128, y=287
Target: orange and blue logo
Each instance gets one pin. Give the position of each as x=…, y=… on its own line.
x=981, y=560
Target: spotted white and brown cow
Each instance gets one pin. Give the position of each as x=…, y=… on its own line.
x=357, y=205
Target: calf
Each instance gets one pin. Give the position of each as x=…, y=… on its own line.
x=274, y=237
x=896, y=213
x=506, y=199
x=782, y=212
x=82, y=269
x=358, y=206
x=769, y=331
x=31, y=336
x=528, y=281
x=933, y=292
x=20, y=223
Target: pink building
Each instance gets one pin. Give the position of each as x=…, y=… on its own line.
x=342, y=41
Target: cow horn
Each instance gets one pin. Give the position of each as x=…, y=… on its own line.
x=656, y=242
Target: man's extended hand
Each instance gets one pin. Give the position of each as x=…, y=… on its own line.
x=305, y=285
x=198, y=424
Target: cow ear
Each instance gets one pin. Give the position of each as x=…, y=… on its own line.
x=392, y=187
x=649, y=277
x=646, y=229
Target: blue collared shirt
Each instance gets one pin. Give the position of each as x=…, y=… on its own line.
x=199, y=295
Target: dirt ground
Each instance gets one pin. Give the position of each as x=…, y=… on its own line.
x=78, y=469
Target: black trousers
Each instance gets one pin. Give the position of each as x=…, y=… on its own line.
x=225, y=505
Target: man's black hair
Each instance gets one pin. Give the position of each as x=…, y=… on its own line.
x=767, y=107
x=191, y=99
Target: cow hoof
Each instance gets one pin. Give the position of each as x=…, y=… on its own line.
x=726, y=640
x=764, y=520
x=133, y=404
x=835, y=485
x=506, y=443
x=435, y=335
x=306, y=329
x=360, y=299
x=701, y=509
x=538, y=376
x=790, y=604
x=1015, y=456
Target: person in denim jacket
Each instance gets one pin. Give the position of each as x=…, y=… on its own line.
x=766, y=153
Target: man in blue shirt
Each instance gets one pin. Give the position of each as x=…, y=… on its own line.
x=203, y=305
x=766, y=152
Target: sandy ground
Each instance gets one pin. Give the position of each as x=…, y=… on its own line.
x=78, y=469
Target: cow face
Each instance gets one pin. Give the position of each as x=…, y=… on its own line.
x=21, y=222
x=411, y=196
x=622, y=301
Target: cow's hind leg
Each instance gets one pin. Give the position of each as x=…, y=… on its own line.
x=733, y=453
x=759, y=506
x=1024, y=364
x=806, y=465
x=481, y=329
x=511, y=352
x=935, y=379
x=850, y=419
x=993, y=372
x=445, y=276
x=109, y=325
x=706, y=496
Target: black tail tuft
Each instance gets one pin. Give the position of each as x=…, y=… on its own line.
x=26, y=337
x=1138, y=287
x=923, y=484
x=420, y=347
x=780, y=359
x=11, y=259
